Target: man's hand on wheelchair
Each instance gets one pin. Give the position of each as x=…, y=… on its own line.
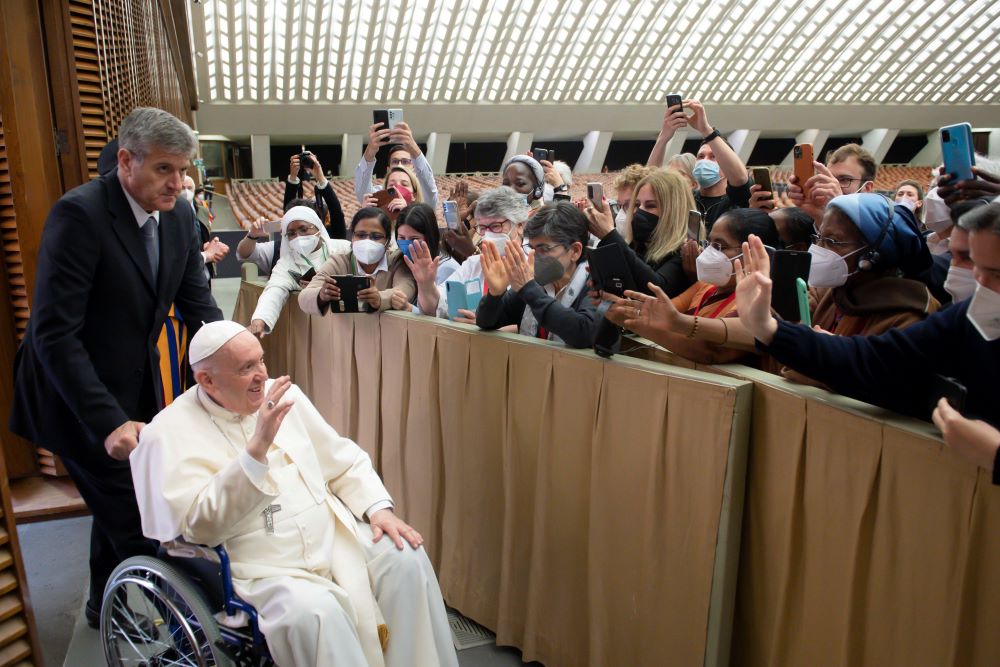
x=385, y=522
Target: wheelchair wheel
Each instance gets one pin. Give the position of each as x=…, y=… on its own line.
x=153, y=616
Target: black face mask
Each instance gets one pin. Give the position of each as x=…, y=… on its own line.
x=643, y=224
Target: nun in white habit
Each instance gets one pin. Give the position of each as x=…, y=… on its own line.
x=305, y=246
x=249, y=463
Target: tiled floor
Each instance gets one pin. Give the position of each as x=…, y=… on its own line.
x=55, y=556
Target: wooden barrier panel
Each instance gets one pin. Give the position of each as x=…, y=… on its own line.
x=587, y=510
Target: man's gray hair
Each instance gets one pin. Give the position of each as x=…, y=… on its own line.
x=502, y=202
x=147, y=128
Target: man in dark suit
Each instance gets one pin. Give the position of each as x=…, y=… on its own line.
x=115, y=254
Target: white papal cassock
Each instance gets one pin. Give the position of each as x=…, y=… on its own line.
x=320, y=586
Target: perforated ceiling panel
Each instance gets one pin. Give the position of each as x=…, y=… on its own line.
x=629, y=51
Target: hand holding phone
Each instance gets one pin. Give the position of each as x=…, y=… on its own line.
x=595, y=193
x=956, y=148
x=540, y=154
x=674, y=100
x=450, y=209
x=803, y=167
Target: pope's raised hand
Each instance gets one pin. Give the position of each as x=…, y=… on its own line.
x=269, y=418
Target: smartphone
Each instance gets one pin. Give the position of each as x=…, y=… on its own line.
x=949, y=388
x=540, y=154
x=595, y=193
x=788, y=266
x=610, y=271
x=463, y=296
x=552, y=155
x=381, y=116
x=762, y=177
x=450, y=209
x=695, y=227
x=802, y=292
x=804, y=166
x=383, y=197
x=956, y=148
x=395, y=117
x=308, y=275
x=349, y=288
x=674, y=100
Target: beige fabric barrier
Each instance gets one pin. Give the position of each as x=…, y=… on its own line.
x=587, y=510
x=865, y=540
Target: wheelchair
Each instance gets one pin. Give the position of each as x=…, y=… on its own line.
x=179, y=609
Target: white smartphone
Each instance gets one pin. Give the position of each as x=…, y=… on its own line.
x=595, y=193
x=395, y=117
x=450, y=209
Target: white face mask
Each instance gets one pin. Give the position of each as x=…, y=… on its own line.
x=908, y=203
x=304, y=245
x=187, y=194
x=828, y=269
x=499, y=239
x=714, y=267
x=984, y=312
x=937, y=215
x=936, y=245
x=620, y=219
x=960, y=283
x=368, y=251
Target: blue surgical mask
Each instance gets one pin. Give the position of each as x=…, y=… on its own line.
x=706, y=173
x=405, y=246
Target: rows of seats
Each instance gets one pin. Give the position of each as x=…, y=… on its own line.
x=253, y=198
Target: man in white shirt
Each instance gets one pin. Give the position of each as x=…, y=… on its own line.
x=404, y=153
x=248, y=462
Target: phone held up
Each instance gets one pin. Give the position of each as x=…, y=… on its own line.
x=389, y=118
x=450, y=209
x=762, y=177
x=595, y=193
x=674, y=100
x=803, y=163
x=957, y=151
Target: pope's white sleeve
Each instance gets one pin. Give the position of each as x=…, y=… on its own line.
x=381, y=505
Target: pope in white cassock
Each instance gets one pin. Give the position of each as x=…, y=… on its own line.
x=248, y=462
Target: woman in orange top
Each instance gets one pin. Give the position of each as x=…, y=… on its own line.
x=713, y=295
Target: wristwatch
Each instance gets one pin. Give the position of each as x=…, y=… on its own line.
x=715, y=133
x=560, y=188
x=257, y=239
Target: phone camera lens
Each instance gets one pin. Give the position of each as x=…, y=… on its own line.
x=946, y=135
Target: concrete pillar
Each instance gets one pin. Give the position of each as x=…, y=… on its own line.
x=930, y=155
x=351, y=147
x=878, y=141
x=438, y=144
x=743, y=142
x=260, y=155
x=994, y=145
x=595, y=152
x=815, y=137
x=518, y=143
x=675, y=145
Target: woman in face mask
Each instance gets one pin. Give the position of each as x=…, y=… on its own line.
x=418, y=239
x=712, y=297
x=407, y=189
x=624, y=187
x=370, y=256
x=542, y=287
x=305, y=246
x=862, y=245
x=655, y=230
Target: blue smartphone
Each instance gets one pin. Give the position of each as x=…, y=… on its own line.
x=956, y=148
x=464, y=296
x=803, y=293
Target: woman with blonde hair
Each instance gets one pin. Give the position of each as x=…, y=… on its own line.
x=407, y=188
x=654, y=232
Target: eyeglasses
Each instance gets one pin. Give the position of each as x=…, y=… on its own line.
x=718, y=246
x=831, y=244
x=540, y=250
x=404, y=161
x=495, y=227
x=845, y=180
x=365, y=236
x=307, y=230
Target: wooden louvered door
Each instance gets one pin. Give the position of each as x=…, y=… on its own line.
x=17, y=287
x=92, y=118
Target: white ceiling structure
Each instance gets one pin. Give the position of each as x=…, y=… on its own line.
x=481, y=67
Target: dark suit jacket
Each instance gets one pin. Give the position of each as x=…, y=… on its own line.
x=204, y=234
x=88, y=362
